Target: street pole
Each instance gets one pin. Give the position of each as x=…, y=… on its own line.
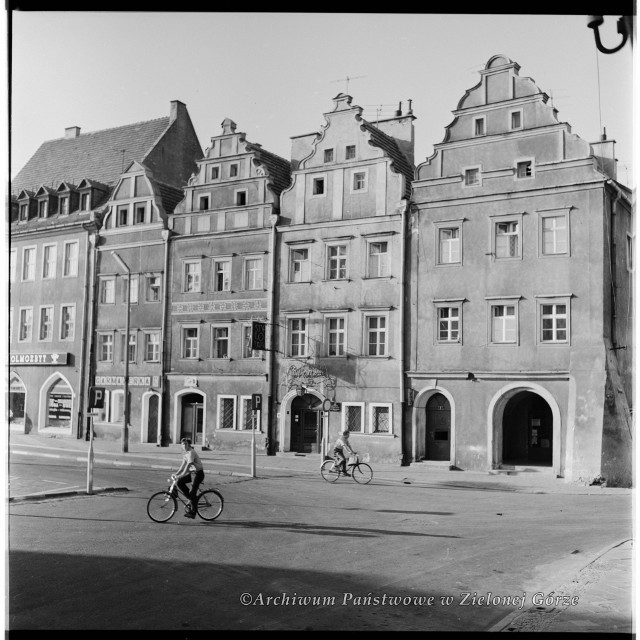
x=253, y=444
x=125, y=428
x=90, y=458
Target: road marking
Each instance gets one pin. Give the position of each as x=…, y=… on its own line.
x=54, y=481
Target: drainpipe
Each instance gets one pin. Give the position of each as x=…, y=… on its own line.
x=403, y=270
x=166, y=234
x=269, y=412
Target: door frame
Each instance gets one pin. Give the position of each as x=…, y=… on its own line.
x=419, y=422
x=428, y=428
x=284, y=426
x=177, y=412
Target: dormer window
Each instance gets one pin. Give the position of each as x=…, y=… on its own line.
x=85, y=201
x=64, y=206
x=43, y=209
x=139, y=214
x=24, y=212
x=122, y=216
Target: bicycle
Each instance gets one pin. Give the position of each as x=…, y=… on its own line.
x=162, y=505
x=361, y=472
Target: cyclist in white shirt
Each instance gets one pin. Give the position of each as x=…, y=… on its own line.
x=190, y=462
x=342, y=444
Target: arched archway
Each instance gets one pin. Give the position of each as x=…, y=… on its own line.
x=301, y=422
x=525, y=428
x=430, y=407
x=151, y=417
x=56, y=403
x=17, y=401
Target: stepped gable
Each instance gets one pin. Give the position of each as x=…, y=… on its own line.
x=98, y=154
x=390, y=147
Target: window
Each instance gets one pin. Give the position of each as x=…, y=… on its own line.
x=299, y=270
x=154, y=287
x=191, y=276
x=253, y=273
x=140, y=211
x=297, y=337
x=507, y=239
x=335, y=336
x=222, y=275
x=380, y=417
x=503, y=324
x=46, y=324
x=350, y=152
x=246, y=421
x=134, y=289
x=247, y=351
x=524, y=169
x=43, y=208
x=105, y=347
x=472, y=177
x=117, y=406
x=132, y=348
x=337, y=262
x=353, y=417
x=630, y=265
x=241, y=198
x=64, y=206
x=107, y=290
x=376, y=335
x=190, y=341
x=328, y=155
x=49, y=253
x=220, y=342
x=226, y=412
x=233, y=170
x=378, y=263
x=29, y=264
x=359, y=182
x=479, y=126
x=70, y=268
x=152, y=346
x=68, y=322
x=449, y=245
x=554, y=234
x=554, y=324
x=448, y=324
x=24, y=212
x=215, y=173
x=13, y=259
x=122, y=216
x=516, y=120
x=26, y=324
x=203, y=203
x=85, y=201
x=318, y=186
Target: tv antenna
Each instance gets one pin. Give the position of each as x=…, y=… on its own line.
x=347, y=79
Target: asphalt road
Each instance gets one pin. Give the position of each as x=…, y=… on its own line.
x=293, y=553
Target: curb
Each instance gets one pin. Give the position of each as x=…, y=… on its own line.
x=510, y=617
x=66, y=494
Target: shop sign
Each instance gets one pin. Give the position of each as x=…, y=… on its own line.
x=191, y=382
x=118, y=381
x=219, y=306
x=38, y=358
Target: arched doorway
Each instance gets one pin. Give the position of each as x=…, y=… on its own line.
x=192, y=417
x=306, y=424
x=527, y=431
x=17, y=400
x=152, y=402
x=59, y=401
x=438, y=428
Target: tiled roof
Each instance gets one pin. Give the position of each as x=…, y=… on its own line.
x=96, y=155
x=279, y=168
x=170, y=196
x=390, y=147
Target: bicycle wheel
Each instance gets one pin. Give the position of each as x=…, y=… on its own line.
x=328, y=472
x=362, y=473
x=210, y=504
x=161, y=506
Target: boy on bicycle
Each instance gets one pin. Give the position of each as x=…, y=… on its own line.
x=190, y=462
x=341, y=444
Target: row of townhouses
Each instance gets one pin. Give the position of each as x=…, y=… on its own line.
x=473, y=310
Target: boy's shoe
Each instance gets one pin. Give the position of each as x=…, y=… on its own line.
x=189, y=514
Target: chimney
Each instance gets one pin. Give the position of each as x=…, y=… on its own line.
x=604, y=151
x=178, y=109
x=71, y=132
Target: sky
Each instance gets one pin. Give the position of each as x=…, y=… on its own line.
x=275, y=74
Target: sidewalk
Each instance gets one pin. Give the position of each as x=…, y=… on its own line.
x=604, y=587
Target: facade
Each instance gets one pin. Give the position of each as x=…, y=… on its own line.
x=338, y=335
x=59, y=201
x=220, y=282
x=520, y=330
